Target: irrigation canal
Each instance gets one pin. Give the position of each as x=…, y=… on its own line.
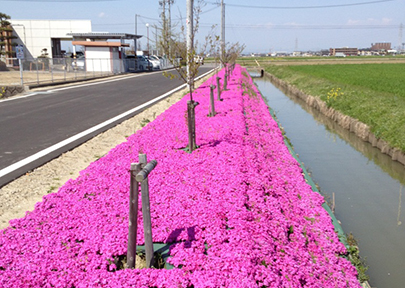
x=368, y=185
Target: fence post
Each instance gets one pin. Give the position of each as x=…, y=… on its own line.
x=50, y=68
x=219, y=88
x=133, y=216
x=20, y=64
x=74, y=69
x=36, y=66
x=92, y=65
x=64, y=65
x=85, y=68
x=147, y=224
x=212, y=101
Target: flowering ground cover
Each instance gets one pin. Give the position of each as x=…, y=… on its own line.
x=237, y=211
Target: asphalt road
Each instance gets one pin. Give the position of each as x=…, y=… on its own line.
x=35, y=129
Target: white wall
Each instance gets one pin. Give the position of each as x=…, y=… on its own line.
x=103, y=59
x=36, y=35
x=98, y=59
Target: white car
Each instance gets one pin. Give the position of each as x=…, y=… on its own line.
x=79, y=63
x=155, y=61
x=143, y=63
x=199, y=59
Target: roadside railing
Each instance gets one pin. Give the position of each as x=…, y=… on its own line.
x=52, y=70
x=36, y=71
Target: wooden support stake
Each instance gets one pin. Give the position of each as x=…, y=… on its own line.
x=219, y=88
x=143, y=174
x=212, y=101
x=190, y=125
x=195, y=104
x=133, y=216
x=333, y=202
x=147, y=223
x=226, y=82
x=191, y=104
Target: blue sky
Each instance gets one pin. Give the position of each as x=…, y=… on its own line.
x=262, y=25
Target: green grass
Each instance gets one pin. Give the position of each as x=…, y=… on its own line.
x=371, y=93
x=251, y=61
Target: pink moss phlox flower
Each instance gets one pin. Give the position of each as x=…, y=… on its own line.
x=237, y=211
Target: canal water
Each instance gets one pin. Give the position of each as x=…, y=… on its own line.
x=367, y=184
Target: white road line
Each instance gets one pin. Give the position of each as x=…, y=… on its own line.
x=77, y=86
x=102, y=82
x=67, y=141
x=23, y=96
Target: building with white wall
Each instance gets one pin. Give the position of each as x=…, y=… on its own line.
x=36, y=35
x=102, y=55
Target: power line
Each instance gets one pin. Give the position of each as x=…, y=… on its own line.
x=303, y=7
x=209, y=10
x=148, y=18
x=308, y=27
x=272, y=26
x=112, y=24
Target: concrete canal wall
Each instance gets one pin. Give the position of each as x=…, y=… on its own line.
x=353, y=125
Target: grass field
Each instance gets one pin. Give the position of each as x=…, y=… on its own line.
x=372, y=93
x=318, y=60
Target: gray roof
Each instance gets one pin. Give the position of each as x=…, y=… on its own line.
x=103, y=35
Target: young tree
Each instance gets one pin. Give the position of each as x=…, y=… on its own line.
x=180, y=51
x=6, y=35
x=227, y=56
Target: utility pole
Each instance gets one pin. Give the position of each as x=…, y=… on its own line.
x=222, y=30
x=147, y=35
x=156, y=40
x=136, y=32
x=170, y=15
x=164, y=17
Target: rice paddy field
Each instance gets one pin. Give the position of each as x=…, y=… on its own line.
x=373, y=93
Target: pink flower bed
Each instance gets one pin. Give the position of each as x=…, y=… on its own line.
x=238, y=210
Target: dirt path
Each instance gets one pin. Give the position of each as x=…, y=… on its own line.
x=21, y=195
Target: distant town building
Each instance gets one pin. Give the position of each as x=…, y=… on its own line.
x=343, y=51
x=37, y=35
x=381, y=46
x=365, y=52
x=324, y=52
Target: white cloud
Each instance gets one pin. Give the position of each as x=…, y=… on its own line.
x=101, y=15
x=386, y=21
x=370, y=21
x=353, y=22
